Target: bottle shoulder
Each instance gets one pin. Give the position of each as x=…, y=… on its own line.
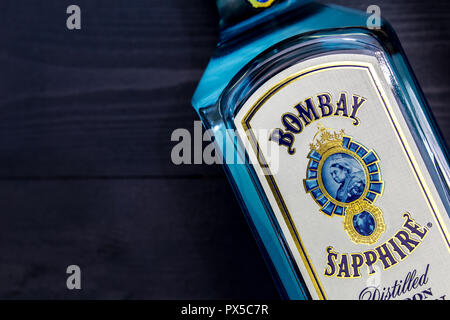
x=234, y=53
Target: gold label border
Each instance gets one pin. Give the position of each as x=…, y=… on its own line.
x=272, y=183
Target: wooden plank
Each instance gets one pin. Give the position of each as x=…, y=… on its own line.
x=85, y=170
x=104, y=101
x=131, y=238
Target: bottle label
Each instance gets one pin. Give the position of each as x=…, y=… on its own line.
x=350, y=191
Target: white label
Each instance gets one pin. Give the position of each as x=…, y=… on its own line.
x=350, y=191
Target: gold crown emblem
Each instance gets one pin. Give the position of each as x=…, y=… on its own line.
x=327, y=139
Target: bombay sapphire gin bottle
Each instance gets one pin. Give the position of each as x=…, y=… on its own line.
x=335, y=156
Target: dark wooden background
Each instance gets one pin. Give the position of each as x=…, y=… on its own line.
x=85, y=171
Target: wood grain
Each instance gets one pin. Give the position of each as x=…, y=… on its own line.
x=104, y=101
x=127, y=244
x=85, y=171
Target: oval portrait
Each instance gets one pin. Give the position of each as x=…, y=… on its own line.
x=343, y=177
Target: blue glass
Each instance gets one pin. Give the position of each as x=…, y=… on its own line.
x=250, y=52
x=364, y=223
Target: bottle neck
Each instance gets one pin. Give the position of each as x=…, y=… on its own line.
x=233, y=12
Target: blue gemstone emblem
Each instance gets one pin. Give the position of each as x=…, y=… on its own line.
x=364, y=223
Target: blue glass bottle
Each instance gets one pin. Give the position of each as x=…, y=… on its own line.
x=264, y=47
